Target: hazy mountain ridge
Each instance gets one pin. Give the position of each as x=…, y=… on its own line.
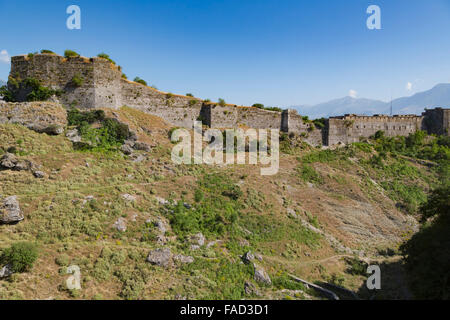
x=438, y=96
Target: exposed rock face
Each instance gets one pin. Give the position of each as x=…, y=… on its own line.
x=8, y=161
x=42, y=117
x=183, y=259
x=12, y=162
x=250, y=289
x=160, y=257
x=10, y=211
x=160, y=226
x=126, y=149
x=248, y=257
x=39, y=174
x=73, y=135
x=142, y=146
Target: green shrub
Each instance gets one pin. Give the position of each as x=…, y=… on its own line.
x=308, y=174
x=7, y=95
x=38, y=92
x=320, y=123
x=222, y=102
x=108, y=137
x=70, y=54
x=189, y=95
x=76, y=117
x=105, y=56
x=217, y=209
x=356, y=266
x=427, y=253
x=285, y=282
x=47, y=51
x=21, y=256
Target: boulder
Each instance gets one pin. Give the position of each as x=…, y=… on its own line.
x=183, y=259
x=8, y=161
x=120, y=225
x=250, y=289
x=10, y=211
x=160, y=257
x=23, y=165
x=261, y=275
x=73, y=135
x=38, y=174
x=162, y=201
x=248, y=257
x=142, y=146
x=126, y=149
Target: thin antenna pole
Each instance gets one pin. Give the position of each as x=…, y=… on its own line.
x=391, y=103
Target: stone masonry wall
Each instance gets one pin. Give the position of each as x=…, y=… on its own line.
x=437, y=121
x=351, y=128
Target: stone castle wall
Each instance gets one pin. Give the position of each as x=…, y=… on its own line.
x=104, y=87
x=351, y=128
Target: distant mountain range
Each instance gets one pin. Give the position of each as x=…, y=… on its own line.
x=438, y=96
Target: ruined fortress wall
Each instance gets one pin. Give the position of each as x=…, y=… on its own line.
x=293, y=122
x=101, y=79
x=437, y=121
x=349, y=129
x=177, y=110
x=223, y=117
x=103, y=86
x=258, y=118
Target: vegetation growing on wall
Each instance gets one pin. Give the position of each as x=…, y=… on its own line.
x=45, y=51
x=261, y=106
x=106, y=56
x=70, y=54
x=77, y=80
x=139, y=80
x=36, y=92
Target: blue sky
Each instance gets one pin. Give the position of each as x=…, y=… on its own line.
x=276, y=52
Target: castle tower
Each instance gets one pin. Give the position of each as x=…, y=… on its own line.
x=100, y=79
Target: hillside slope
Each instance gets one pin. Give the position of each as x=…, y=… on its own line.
x=322, y=215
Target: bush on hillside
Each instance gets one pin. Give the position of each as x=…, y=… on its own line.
x=21, y=256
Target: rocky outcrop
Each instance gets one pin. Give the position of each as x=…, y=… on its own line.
x=261, y=275
x=10, y=211
x=10, y=161
x=42, y=117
